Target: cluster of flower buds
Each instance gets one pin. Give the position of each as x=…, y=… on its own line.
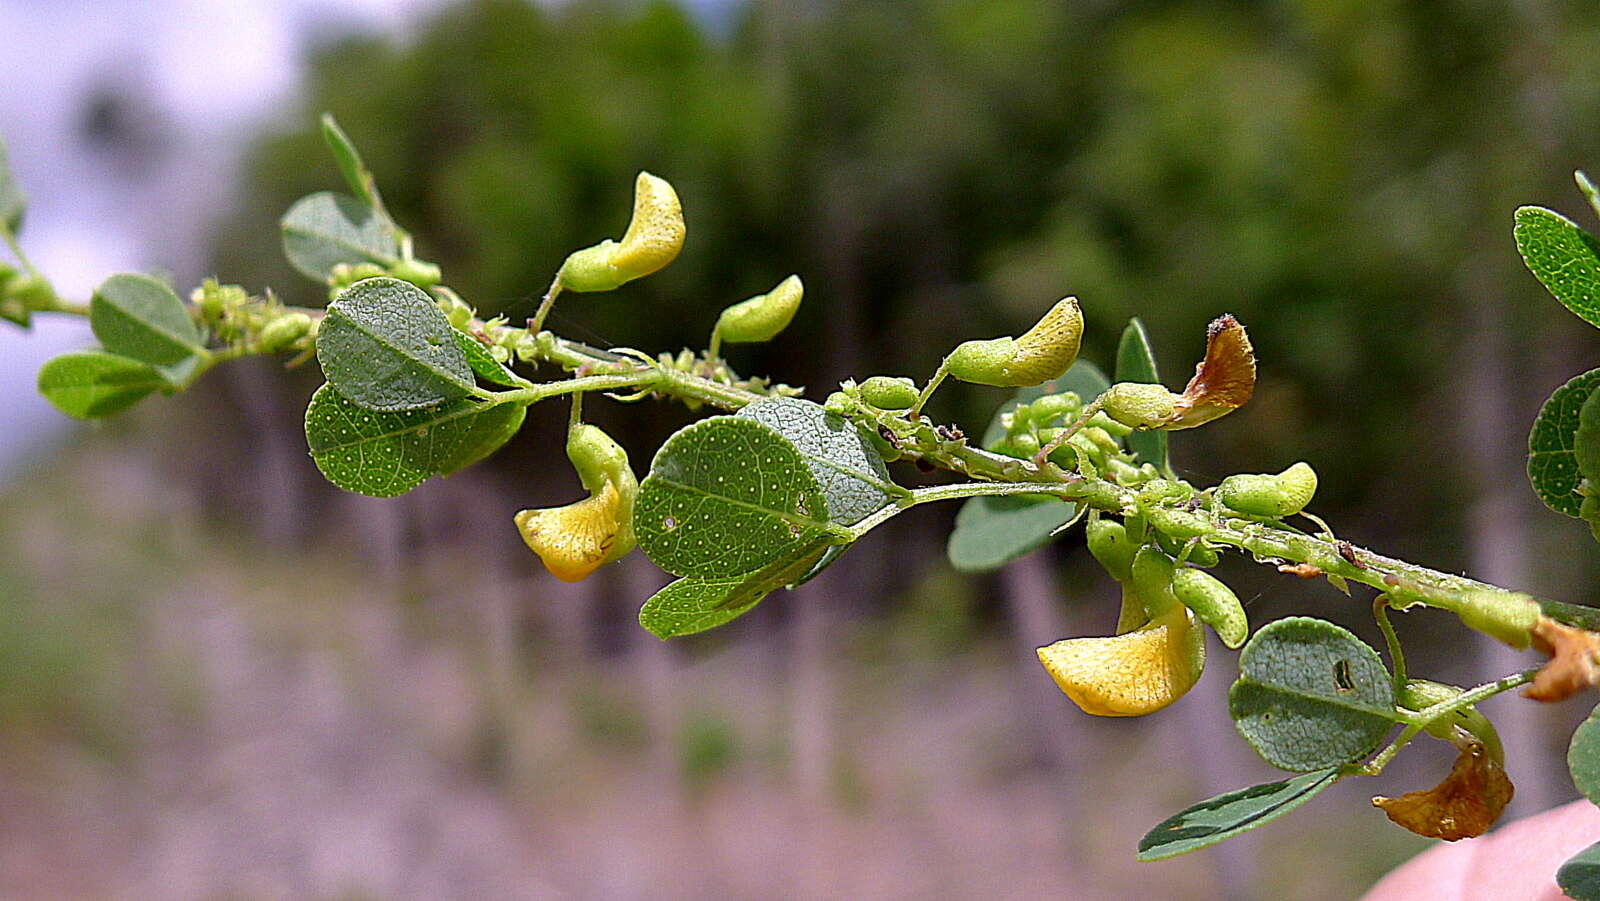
x=21, y=294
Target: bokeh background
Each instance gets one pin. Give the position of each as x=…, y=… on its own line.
x=221, y=678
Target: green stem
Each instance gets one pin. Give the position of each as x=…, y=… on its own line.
x=918, y=496
x=1077, y=426
x=1416, y=722
x=1397, y=656
x=16, y=250
x=927, y=392
x=536, y=324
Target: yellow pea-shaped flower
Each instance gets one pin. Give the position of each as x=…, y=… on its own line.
x=1042, y=353
x=575, y=540
x=654, y=237
x=1131, y=674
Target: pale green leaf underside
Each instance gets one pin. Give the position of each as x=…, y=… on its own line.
x=1579, y=877
x=692, y=605
x=850, y=473
x=992, y=531
x=1136, y=362
x=88, y=384
x=325, y=229
x=1552, y=461
x=1234, y=813
x=386, y=454
x=726, y=497
x=484, y=365
x=1564, y=257
x=1583, y=757
x=1311, y=695
x=386, y=346
x=12, y=202
x=138, y=317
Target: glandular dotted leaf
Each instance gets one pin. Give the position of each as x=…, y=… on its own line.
x=386, y=346
x=1563, y=256
x=850, y=473
x=1552, y=457
x=1579, y=877
x=726, y=497
x=386, y=454
x=1583, y=757
x=1311, y=695
x=1235, y=813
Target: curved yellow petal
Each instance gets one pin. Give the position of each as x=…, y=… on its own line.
x=573, y=541
x=655, y=233
x=1132, y=674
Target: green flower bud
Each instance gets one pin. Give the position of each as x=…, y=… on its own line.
x=1153, y=571
x=1214, y=603
x=1101, y=439
x=1180, y=525
x=418, y=272
x=889, y=392
x=1418, y=694
x=1109, y=543
x=1278, y=495
x=655, y=235
x=762, y=317
x=284, y=331
x=32, y=292
x=1504, y=615
x=1042, y=353
x=1138, y=405
x=1202, y=554
x=1055, y=407
x=1022, y=446
x=1108, y=425
x=1157, y=490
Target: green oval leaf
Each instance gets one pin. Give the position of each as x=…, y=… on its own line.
x=12, y=201
x=482, y=363
x=88, y=384
x=1136, y=362
x=325, y=229
x=992, y=531
x=1311, y=695
x=1583, y=757
x=1552, y=460
x=688, y=606
x=1562, y=256
x=1579, y=877
x=386, y=346
x=850, y=473
x=726, y=497
x=1235, y=813
x=385, y=454
x=139, y=317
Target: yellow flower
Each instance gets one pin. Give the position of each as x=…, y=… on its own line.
x=655, y=235
x=575, y=540
x=1131, y=674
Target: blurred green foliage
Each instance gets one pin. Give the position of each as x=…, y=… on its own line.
x=1339, y=174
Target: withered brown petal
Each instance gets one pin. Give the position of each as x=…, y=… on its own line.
x=1223, y=381
x=1574, y=661
x=1464, y=805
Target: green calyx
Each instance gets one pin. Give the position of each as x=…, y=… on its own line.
x=889, y=392
x=597, y=457
x=1109, y=544
x=1419, y=694
x=1503, y=615
x=1138, y=405
x=1278, y=495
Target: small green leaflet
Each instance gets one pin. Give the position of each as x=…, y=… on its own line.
x=1579, y=877
x=992, y=531
x=88, y=384
x=850, y=473
x=12, y=202
x=354, y=171
x=141, y=318
x=1311, y=695
x=727, y=497
x=1583, y=757
x=692, y=605
x=1562, y=256
x=385, y=454
x=1552, y=460
x=386, y=346
x=1136, y=362
x=325, y=229
x=483, y=364
x=1235, y=813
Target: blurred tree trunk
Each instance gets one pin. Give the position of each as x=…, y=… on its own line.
x=1498, y=535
